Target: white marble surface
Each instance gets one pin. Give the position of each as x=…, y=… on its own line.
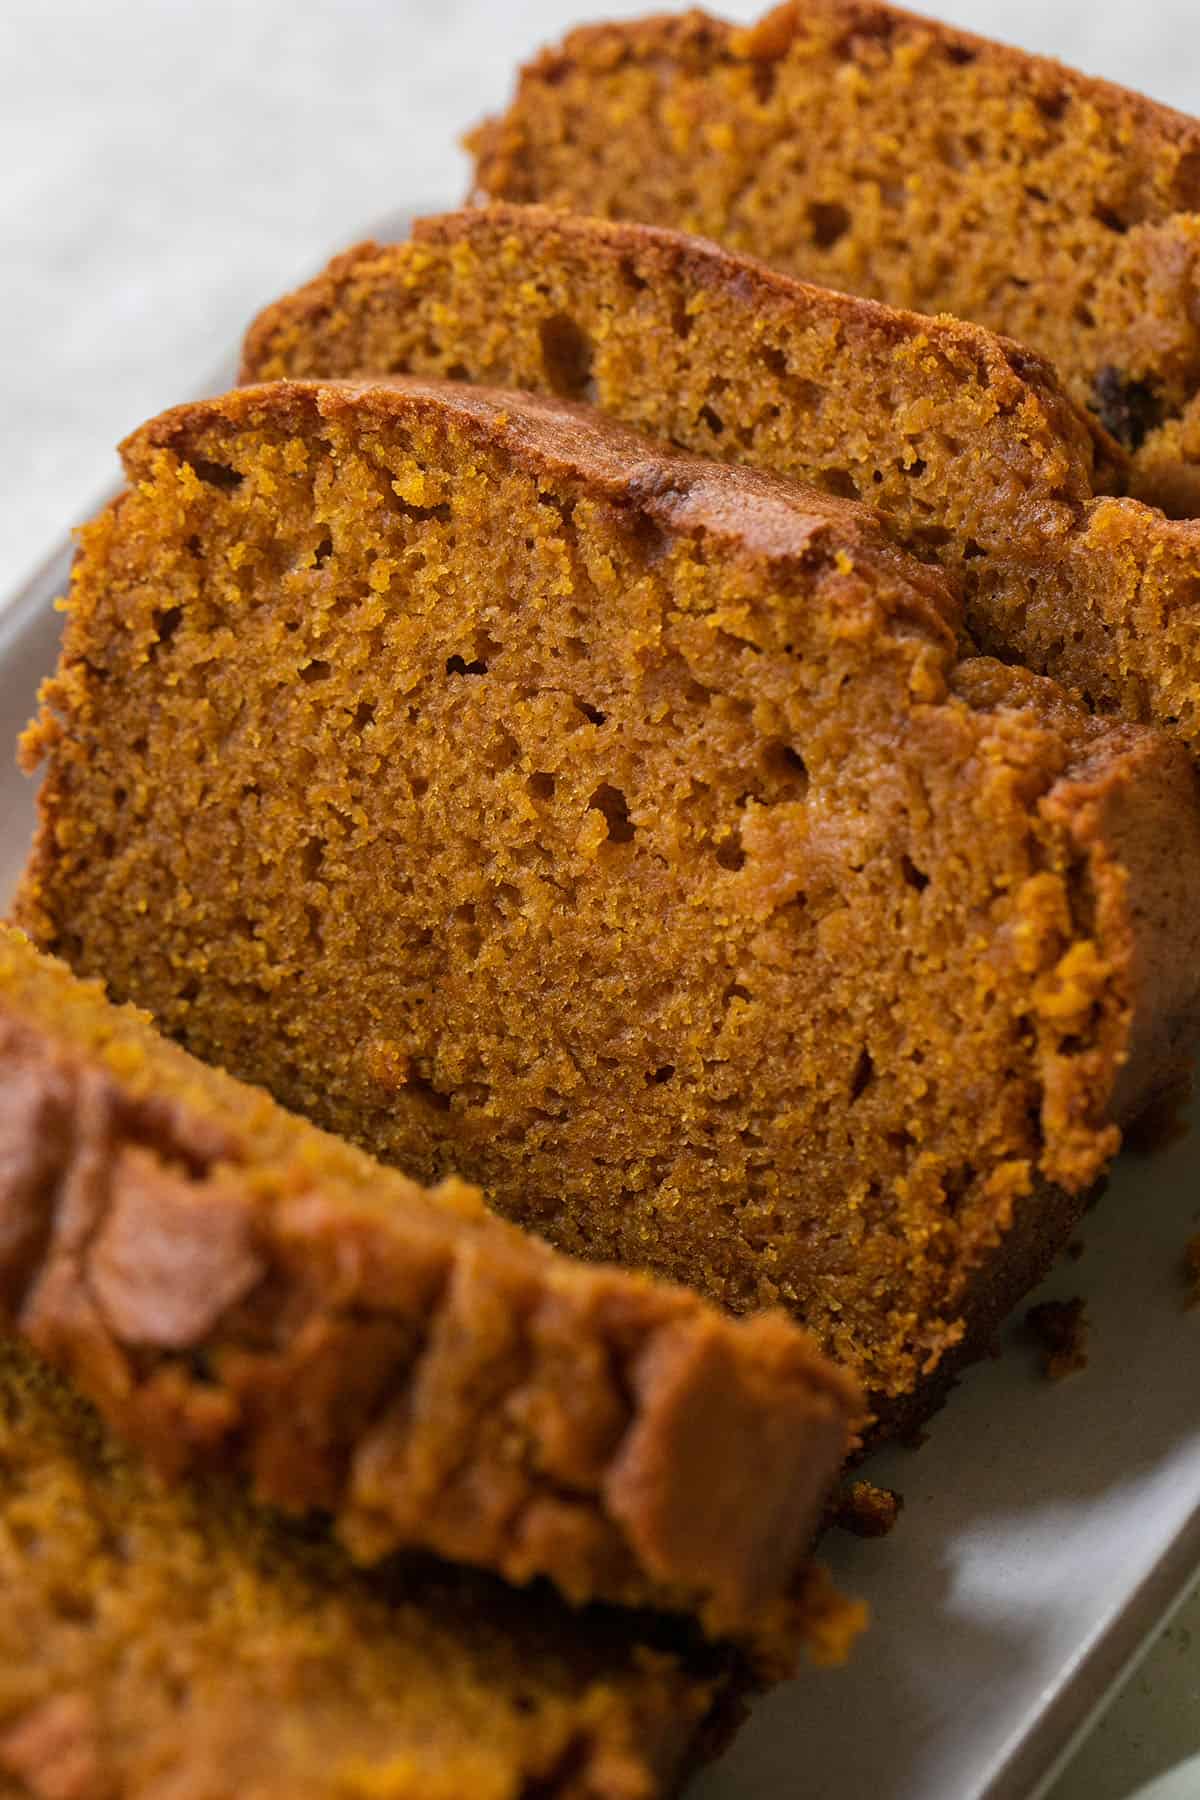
x=169, y=165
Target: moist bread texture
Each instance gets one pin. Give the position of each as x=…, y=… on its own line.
x=625, y=830
x=963, y=442
x=236, y=1290
x=178, y=1645
x=872, y=150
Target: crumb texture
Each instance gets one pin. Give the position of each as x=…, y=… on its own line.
x=177, y=1645
x=870, y=150
x=625, y=831
x=236, y=1291
x=965, y=444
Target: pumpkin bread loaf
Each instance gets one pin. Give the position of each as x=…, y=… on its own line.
x=235, y=1289
x=863, y=147
x=177, y=1645
x=626, y=830
x=965, y=443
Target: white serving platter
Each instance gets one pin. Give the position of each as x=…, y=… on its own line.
x=1048, y=1529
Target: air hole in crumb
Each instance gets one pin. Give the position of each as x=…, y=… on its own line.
x=1129, y=409
x=663, y=1075
x=837, y=481
x=611, y=802
x=323, y=552
x=729, y=852
x=1110, y=218
x=218, y=475
x=541, y=786
x=631, y=277
x=167, y=623
x=458, y=372
x=73, y=1607
x=312, y=920
x=972, y=550
x=713, y=420
x=959, y=55
x=193, y=545
x=566, y=355
x=420, y=514
x=829, y=221
x=1035, y=193
x=786, y=764
x=864, y=1073
x=421, y=1088
x=916, y=878
x=916, y=468
x=773, y=359
x=455, y=665
x=564, y=508
x=591, y=713
x=764, y=75
x=316, y=670
x=648, y=540
x=681, y=320
x=1185, y=189
x=1052, y=106
x=311, y=858
x=364, y=715
x=419, y=785
x=735, y=991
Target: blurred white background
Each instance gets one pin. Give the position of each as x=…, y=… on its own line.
x=170, y=165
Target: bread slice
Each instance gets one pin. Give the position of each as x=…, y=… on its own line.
x=963, y=442
x=236, y=1290
x=861, y=146
x=625, y=830
x=176, y=1644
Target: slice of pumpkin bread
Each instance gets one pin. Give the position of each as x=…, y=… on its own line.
x=178, y=1645
x=963, y=442
x=861, y=146
x=235, y=1289
x=625, y=830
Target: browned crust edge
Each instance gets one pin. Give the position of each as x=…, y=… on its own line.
x=431, y=1384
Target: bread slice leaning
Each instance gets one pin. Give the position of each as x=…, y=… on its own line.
x=627, y=831
x=965, y=443
x=173, y=1644
x=855, y=144
x=236, y=1290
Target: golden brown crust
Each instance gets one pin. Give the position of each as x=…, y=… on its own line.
x=681, y=881
x=852, y=142
x=964, y=443
x=201, y=1265
x=177, y=1645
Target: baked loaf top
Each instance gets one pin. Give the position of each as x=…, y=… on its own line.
x=861, y=146
x=964, y=443
x=175, y=1645
x=234, y=1288
x=623, y=829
